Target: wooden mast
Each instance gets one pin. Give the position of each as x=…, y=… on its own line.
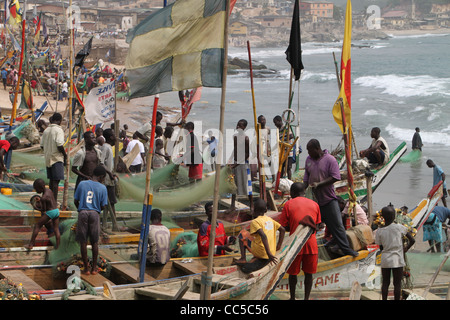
x=206, y=279
x=66, y=181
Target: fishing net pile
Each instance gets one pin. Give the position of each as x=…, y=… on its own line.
x=176, y=198
x=184, y=245
x=170, y=185
x=68, y=252
x=10, y=290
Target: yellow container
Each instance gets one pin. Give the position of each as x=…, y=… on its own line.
x=6, y=191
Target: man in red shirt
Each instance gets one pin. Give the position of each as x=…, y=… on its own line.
x=5, y=147
x=295, y=211
x=221, y=239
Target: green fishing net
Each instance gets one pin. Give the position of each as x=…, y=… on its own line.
x=413, y=156
x=184, y=245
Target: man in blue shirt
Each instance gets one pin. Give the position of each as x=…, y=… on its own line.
x=90, y=198
x=4, y=76
x=439, y=175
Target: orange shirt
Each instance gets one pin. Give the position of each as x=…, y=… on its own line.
x=294, y=211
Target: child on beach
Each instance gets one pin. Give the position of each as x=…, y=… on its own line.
x=50, y=213
x=390, y=239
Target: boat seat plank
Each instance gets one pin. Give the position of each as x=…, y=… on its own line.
x=161, y=292
x=222, y=282
x=227, y=203
x=126, y=270
x=190, y=267
x=18, y=276
x=95, y=280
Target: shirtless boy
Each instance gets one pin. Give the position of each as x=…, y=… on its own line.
x=50, y=212
x=86, y=159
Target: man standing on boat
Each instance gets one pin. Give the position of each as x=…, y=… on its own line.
x=90, y=198
x=86, y=159
x=438, y=176
x=52, y=142
x=295, y=212
x=240, y=166
x=321, y=172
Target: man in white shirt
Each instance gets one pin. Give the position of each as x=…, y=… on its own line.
x=136, y=165
x=158, y=240
x=52, y=142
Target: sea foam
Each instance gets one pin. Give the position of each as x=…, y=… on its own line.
x=407, y=86
x=441, y=137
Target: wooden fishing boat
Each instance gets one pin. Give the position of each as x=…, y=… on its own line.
x=340, y=273
x=360, y=181
x=228, y=282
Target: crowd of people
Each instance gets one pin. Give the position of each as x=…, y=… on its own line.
x=95, y=187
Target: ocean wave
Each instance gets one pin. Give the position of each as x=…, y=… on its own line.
x=407, y=86
x=428, y=137
x=426, y=35
x=318, y=76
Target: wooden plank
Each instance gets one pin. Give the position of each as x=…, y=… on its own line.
x=160, y=292
x=227, y=203
x=192, y=267
x=180, y=293
x=18, y=276
x=95, y=280
x=126, y=270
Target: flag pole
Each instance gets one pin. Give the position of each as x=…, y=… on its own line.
x=262, y=182
x=19, y=77
x=148, y=200
x=66, y=181
x=346, y=128
x=207, y=279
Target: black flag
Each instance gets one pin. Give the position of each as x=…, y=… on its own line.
x=294, y=50
x=82, y=54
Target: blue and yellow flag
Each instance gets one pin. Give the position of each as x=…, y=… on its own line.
x=179, y=47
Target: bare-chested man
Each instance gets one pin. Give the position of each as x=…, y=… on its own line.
x=86, y=159
x=50, y=213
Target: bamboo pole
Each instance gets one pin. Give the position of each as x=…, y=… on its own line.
x=206, y=293
x=148, y=200
x=262, y=182
x=348, y=152
x=66, y=181
x=19, y=77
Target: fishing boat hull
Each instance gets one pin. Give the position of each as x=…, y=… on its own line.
x=339, y=274
x=379, y=175
x=228, y=282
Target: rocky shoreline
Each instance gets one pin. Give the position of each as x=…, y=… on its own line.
x=337, y=35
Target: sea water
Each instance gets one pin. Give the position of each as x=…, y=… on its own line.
x=398, y=84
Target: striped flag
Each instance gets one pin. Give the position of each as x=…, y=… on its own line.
x=15, y=13
x=345, y=92
x=179, y=47
x=37, y=21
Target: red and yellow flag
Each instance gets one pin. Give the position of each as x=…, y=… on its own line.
x=345, y=92
x=15, y=12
